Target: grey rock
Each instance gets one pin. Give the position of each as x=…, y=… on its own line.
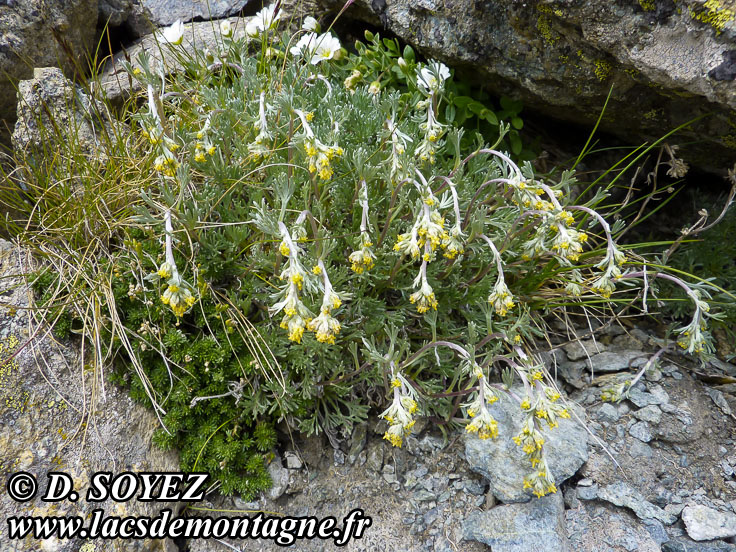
x=46, y=397
x=686, y=545
x=358, y=442
x=504, y=464
x=293, y=461
x=535, y=525
x=703, y=523
x=53, y=111
x=651, y=414
x=114, y=82
x=374, y=462
x=668, y=62
x=131, y=15
x=655, y=396
x=720, y=400
x=640, y=430
x=609, y=361
x=596, y=526
x=683, y=425
x=573, y=373
x=41, y=33
x=607, y=413
x=621, y=494
x=279, y=476
x=578, y=350
x=588, y=493
x=166, y=12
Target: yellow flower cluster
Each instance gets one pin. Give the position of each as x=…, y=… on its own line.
x=320, y=156
x=501, y=298
x=363, y=259
x=178, y=296
x=400, y=415
x=325, y=326
x=482, y=423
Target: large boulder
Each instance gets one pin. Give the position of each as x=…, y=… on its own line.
x=60, y=415
x=53, y=113
x=39, y=33
x=668, y=62
x=115, y=83
x=166, y=12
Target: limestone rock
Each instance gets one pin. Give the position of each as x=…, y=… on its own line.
x=39, y=33
x=668, y=62
x=58, y=418
x=504, y=464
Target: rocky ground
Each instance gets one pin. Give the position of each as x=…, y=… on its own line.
x=655, y=472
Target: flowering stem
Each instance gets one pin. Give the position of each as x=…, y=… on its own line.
x=169, y=231
x=489, y=152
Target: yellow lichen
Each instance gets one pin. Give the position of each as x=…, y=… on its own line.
x=647, y=5
x=546, y=31
x=715, y=13
x=602, y=69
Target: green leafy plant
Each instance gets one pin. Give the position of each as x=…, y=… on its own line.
x=316, y=234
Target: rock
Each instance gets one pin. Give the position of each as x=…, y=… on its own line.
x=686, y=545
x=279, y=476
x=640, y=430
x=720, y=400
x=656, y=396
x=114, y=81
x=357, y=443
x=50, y=422
x=293, y=461
x=40, y=33
x=607, y=413
x=618, y=361
x=620, y=494
x=578, y=350
x=53, y=111
x=374, y=462
x=132, y=15
x=597, y=526
x=703, y=523
x=535, y=525
x=682, y=425
x=649, y=413
x=667, y=62
x=573, y=373
x=504, y=464
x=166, y=12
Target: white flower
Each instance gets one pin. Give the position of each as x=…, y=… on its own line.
x=173, y=34
x=432, y=77
x=263, y=21
x=304, y=44
x=226, y=29
x=325, y=48
x=310, y=24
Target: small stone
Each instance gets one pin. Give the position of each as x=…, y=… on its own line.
x=588, y=493
x=339, y=457
x=640, y=430
x=374, y=460
x=293, y=462
x=607, y=413
x=651, y=414
x=578, y=350
x=703, y=523
x=621, y=494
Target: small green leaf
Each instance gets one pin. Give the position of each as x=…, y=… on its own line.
x=517, y=123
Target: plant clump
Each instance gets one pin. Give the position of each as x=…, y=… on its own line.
x=319, y=233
